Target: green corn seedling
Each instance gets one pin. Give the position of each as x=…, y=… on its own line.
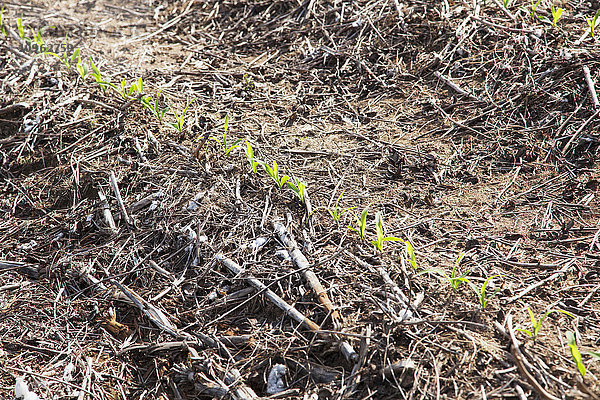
x=453, y=279
x=411, y=254
x=483, y=300
x=536, y=324
x=250, y=156
x=37, y=38
x=123, y=90
x=83, y=69
x=532, y=12
x=248, y=83
x=380, y=237
x=361, y=223
x=20, y=28
x=575, y=354
x=337, y=212
x=592, y=23
x=180, y=119
x=2, y=27
x=505, y=3
x=298, y=187
x=98, y=76
x=556, y=13
x=64, y=58
x=134, y=88
x=274, y=174
x=223, y=142
x=153, y=106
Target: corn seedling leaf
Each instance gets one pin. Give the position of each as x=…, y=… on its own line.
x=575, y=354
x=20, y=29
x=411, y=254
x=483, y=301
x=527, y=332
x=2, y=27
x=362, y=222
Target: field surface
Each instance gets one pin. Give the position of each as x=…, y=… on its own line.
x=244, y=199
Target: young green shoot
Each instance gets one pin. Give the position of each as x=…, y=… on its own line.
x=20, y=28
x=83, y=69
x=98, y=76
x=250, y=156
x=411, y=254
x=505, y=3
x=274, y=173
x=575, y=354
x=127, y=92
x=151, y=104
x=380, y=237
x=37, y=38
x=453, y=279
x=2, y=27
x=223, y=142
x=248, y=83
x=532, y=12
x=361, y=223
x=65, y=58
x=298, y=187
x=178, y=125
x=556, y=13
x=483, y=300
x=592, y=22
x=536, y=324
x=337, y=212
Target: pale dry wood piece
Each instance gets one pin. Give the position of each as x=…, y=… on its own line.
x=520, y=392
x=155, y=315
x=31, y=270
x=138, y=147
x=146, y=201
x=115, y=188
x=519, y=360
x=543, y=281
x=269, y=294
x=14, y=107
x=505, y=10
x=161, y=270
x=504, y=28
x=398, y=9
x=87, y=379
x=110, y=221
x=312, y=280
x=454, y=86
x=355, y=376
x=404, y=369
x=51, y=378
x=160, y=319
x=583, y=302
x=508, y=186
x=302, y=263
x=400, y=296
x=578, y=132
x=13, y=286
x=591, y=87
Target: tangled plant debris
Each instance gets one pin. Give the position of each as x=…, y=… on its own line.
x=145, y=256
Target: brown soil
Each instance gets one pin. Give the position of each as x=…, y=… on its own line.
x=349, y=97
